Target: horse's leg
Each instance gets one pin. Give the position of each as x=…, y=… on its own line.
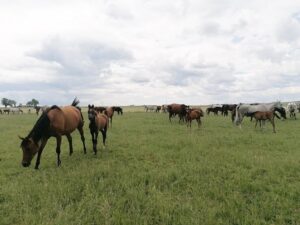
x=58, y=143
x=93, y=137
x=273, y=124
x=199, y=122
x=170, y=115
x=111, y=122
x=103, y=136
x=69, y=137
x=95, y=142
x=256, y=124
x=43, y=144
x=82, y=137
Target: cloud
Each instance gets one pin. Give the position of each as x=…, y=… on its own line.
x=150, y=52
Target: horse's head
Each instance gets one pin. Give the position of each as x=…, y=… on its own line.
x=29, y=148
x=91, y=112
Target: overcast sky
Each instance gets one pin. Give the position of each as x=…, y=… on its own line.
x=121, y=52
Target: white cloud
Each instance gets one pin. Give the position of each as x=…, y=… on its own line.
x=150, y=52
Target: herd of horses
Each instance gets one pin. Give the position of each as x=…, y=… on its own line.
x=62, y=121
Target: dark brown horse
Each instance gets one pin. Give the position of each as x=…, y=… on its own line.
x=1, y=111
x=194, y=114
x=263, y=116
x=98, y=122
x=100, y=109
x=109, y=111
x=118, y=109
x=158, y=108
x=177, y=109
x=56, y=122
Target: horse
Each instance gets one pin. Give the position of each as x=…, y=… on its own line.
x=194, y=114
x=214, y=108
x=40, y=108
x=15, y=110
x=100, y=109
x=109, y=112
x=262, y=116
x=150, y=108
x=1, y=111
x=98, y=122
x=158, y=108
x=37, y=109
x=248, y=109
x=164, y=108
x=228, y=107
x=292, y=108
x=177, y=109
x=118, y=109
x=56, y=122
x=6, y=111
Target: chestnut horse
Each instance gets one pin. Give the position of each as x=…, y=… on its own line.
x=109, y=111
x=177, y=109
x=98, y=122
x=55, y=122
x=194, y=114
x=262, y=116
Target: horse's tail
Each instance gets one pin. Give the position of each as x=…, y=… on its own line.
x=275, y=114
x=75, y=102
x=236, y=114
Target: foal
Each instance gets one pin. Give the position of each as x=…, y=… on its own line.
x=98, y=122
x=262, y=116
x=194, y=114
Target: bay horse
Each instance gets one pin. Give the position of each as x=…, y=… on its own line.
x=55, y=122
x=98, y=122
x=262, y=116
x=109, y=112
x=177, y=109
x=194, y=114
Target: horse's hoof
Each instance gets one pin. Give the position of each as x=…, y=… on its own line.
x=36, y=167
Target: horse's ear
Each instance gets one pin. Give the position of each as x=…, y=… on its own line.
x=21, y=138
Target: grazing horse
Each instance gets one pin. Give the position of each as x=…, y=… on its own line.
x=109, y=111
x=214, y=108
x=56, y=122
x=248, y=109
x=98, y=122
x=118, y=109
x=194, y=114
x=164, y=108
x=6, y=111
x=177, y=109
x=292, y=108
x=1, y=111
x=262, y=116
x=16, y=110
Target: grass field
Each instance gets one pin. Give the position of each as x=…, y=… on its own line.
x=154, y=172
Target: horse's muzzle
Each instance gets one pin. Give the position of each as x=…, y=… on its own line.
x=25, y=164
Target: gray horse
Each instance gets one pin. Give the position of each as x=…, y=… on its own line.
x=243, y=110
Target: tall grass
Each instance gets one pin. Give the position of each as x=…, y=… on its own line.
x=155, y=172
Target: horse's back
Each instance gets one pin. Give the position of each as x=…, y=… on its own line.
x=65, y=120
x=101, y=121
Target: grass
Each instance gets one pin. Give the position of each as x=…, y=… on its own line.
x=154, y=172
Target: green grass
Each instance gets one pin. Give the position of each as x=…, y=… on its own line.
x=154, y=172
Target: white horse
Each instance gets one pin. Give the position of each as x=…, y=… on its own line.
x=15, y=110
x=292, y=109
x=150, y=108
x=243, y=110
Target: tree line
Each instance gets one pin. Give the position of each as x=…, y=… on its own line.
x=10, y=102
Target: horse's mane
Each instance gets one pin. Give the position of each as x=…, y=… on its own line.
x=41, y=126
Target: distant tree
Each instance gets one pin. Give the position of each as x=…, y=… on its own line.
x=5, y=102
x=34, y=102
x=29, y=104
x=12, y=102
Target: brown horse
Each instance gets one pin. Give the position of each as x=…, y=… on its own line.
x=177, y=109
x=194, y=114
x=56, y=122
x=262, y=116
x=109, y=111
x=98, y=122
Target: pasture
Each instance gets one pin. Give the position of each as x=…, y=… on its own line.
x=155, y=172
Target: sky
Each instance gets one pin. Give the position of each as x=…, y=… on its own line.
x=134, y=52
